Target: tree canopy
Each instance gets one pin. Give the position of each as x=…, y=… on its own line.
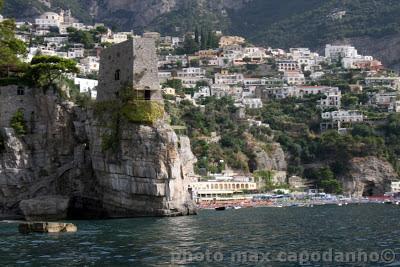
x=10, y=47
x=45, y=70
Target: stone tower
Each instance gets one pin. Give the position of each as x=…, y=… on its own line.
x=131, y=63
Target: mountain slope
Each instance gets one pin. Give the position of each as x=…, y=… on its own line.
x=370, y=24
x=311, y=22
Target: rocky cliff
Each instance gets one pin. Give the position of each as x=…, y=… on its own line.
x=266, y=156
x=60, y=158
x=368, y=176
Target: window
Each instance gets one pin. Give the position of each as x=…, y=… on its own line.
x=117, y=75
x=20, y=91
x=147, y=95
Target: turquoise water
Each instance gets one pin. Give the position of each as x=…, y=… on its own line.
x=246, y=237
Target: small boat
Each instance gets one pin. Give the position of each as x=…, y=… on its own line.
x=237, y=207
x=220, y=208
x=340, y=204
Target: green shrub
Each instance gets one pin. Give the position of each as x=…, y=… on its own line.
x=143, y=111
x=18, y=123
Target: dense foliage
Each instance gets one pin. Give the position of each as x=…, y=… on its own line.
x=18, y=123
x=10, y=48
x=45, y=70
x=311, y=23
x=217, y=137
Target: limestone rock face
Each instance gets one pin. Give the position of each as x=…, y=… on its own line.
x=267, y=156
x=369, y=176
x=149, y=173
x=48, y=208
x=61, y=155
x=273, y=159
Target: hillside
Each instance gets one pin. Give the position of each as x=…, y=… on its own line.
x=372, y=25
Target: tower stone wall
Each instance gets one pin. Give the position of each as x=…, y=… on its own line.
x=133, y=62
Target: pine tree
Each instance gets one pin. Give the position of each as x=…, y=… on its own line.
x=196, y=35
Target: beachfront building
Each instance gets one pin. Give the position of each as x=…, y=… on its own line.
x=221, y=190
x=395, y=187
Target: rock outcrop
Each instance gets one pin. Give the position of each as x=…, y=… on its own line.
x=266, y=156
x=61, y=155
x=148, y=175
x=46, y=227
x=368, y=176
x=49, y=208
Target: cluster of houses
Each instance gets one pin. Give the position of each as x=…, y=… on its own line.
x=247, y=73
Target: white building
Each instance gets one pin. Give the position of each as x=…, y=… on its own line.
x=336, y=52
x=87, y=86
x=164, y=76
x=332, y=100
x=287, y=65
x=220, y=190
x=253, y=55
x=229, y=78
x=90, y=65
x=384, y=99
x=294, y=78
x=317, y=75
x=49, y=19
x=56, y=40
x=343, y=116
x=172, y=60
x=300, y=52
x=190, y=76
x=116, y=38
x=390, y=82
x=252, y=103
x=221, y=90
x=395, y=186
x=203, y=92
x=62, y=21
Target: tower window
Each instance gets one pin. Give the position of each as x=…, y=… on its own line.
x=20, y=91
x=117, y=75
x=147, y=95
